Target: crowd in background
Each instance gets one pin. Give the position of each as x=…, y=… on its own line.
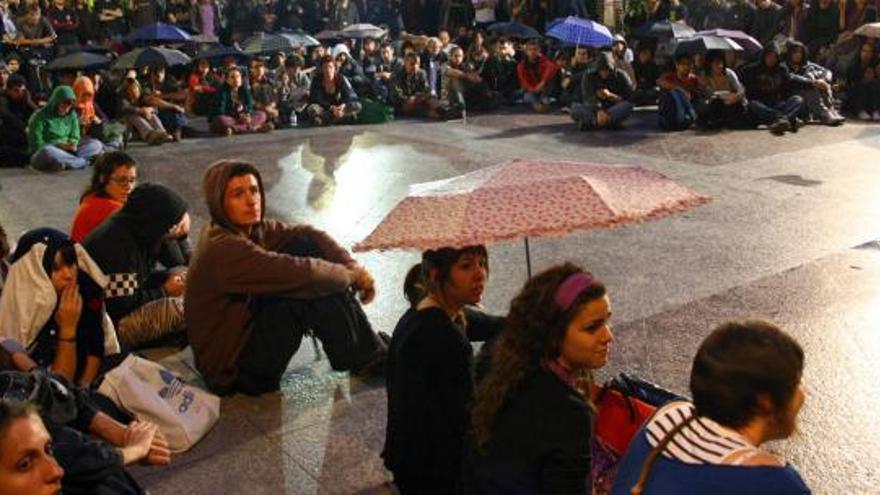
x=440, y=64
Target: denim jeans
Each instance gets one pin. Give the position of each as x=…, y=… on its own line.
x=51, y=158
x=767, y=114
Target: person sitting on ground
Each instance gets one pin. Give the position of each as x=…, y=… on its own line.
x=202, y=83
x=766, y=21
x=256, y=286
x=64, y=21
x=145, y=303
x=647, y=73
x=817, y=81
x=263, y=89
x=771, y=91
x=723, y=98
x=606, y=93
x=432, y=60
x=501, y=71
x=35, y=39
x=410, y=94
x=164, y=94
x=293, y=90
x=331, y=96
x=138, y=115
x=863, y=85
x=16, y=108
x=234, y=111
x=622, y=57
x=535, y=74
x=54, y=137
x=430, y=379
x=387, y=66
x=93, y=122
x=572, y=87
x=351, y=70
x=113, y=178
x=533, y=417
x=680, y=88
x=463, y=87
x=822, y=25
x=53, y=304
x=746, y=387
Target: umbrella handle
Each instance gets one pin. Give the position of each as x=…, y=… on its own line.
x=528, y=258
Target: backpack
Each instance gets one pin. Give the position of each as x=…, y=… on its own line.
x=374, y=112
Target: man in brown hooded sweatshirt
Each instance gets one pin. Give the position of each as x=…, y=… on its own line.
x=255, y=286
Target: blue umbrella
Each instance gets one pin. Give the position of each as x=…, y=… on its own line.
x=158, y=32
x=580, y=32
x=514, y=30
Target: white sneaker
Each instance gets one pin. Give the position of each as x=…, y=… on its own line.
x=863, y=115
x=876, y=115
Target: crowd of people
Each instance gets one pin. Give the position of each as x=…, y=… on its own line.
x=813, y=68
x=515, y=418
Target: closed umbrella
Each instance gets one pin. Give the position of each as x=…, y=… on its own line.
x=160, y=33
x=702, y=44
x=361, y=31
x=665, y=30
x=514, y=30
x=522, y=199
x=151, y=56
x=267, y=43
x=79, y=61
x=581, y=32
x=870, y=30
x=748, y=43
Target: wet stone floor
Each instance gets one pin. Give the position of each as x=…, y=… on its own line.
x=791, y=236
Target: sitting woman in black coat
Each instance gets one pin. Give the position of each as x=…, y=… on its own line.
x=532, y=418
x=430, y=372
x=331, y=96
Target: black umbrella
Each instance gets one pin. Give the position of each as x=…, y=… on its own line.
x=514, y=30
x=158, y=32
x=665, y=29
x=151, y=56
x=704, y=43
x=328, y=35
x=79, y=61
x=267, y=43
x=220, y=52
x=300, y=38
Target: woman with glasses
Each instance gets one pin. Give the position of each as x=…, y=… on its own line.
x=113, y=179
x=114, y=176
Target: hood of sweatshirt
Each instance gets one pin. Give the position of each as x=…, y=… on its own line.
x=150, y=212
x=214, y=185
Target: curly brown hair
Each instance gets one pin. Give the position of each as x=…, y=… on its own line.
x=533, y=334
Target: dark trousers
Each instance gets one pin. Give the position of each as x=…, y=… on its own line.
x=864, y=96
x=768, y=113
x=715, y=114
x=279, y=324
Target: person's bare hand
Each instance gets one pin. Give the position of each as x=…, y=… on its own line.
x=175, y=284
x=160, y=453
x=730, y=99
x=68, y=312
x=364, y=284
x=137, y=441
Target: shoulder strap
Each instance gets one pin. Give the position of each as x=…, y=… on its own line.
x=639, y=487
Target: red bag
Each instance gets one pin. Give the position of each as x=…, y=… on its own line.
x=619, y=418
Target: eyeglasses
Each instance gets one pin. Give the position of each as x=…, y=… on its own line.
x=123, y=181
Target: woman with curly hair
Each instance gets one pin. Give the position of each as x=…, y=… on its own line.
x=430, y=372
x=532, y=419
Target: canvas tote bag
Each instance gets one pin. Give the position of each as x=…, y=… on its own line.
x=150, y=392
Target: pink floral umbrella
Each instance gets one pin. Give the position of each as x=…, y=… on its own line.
x=522, y=199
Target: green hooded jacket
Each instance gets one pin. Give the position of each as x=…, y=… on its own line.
x=47, y=127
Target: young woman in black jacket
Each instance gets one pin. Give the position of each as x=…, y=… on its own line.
x=532, y=418
x=430, y=372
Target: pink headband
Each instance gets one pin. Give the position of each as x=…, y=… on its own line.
x=571, y=288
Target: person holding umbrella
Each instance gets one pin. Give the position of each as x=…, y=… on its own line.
x=606, y=94
x=429, y=374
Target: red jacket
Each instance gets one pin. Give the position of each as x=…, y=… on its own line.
x=530, y=75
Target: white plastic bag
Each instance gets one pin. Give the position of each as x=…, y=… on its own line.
x=151, y=392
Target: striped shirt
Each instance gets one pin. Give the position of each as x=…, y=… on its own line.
x=703, y=441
